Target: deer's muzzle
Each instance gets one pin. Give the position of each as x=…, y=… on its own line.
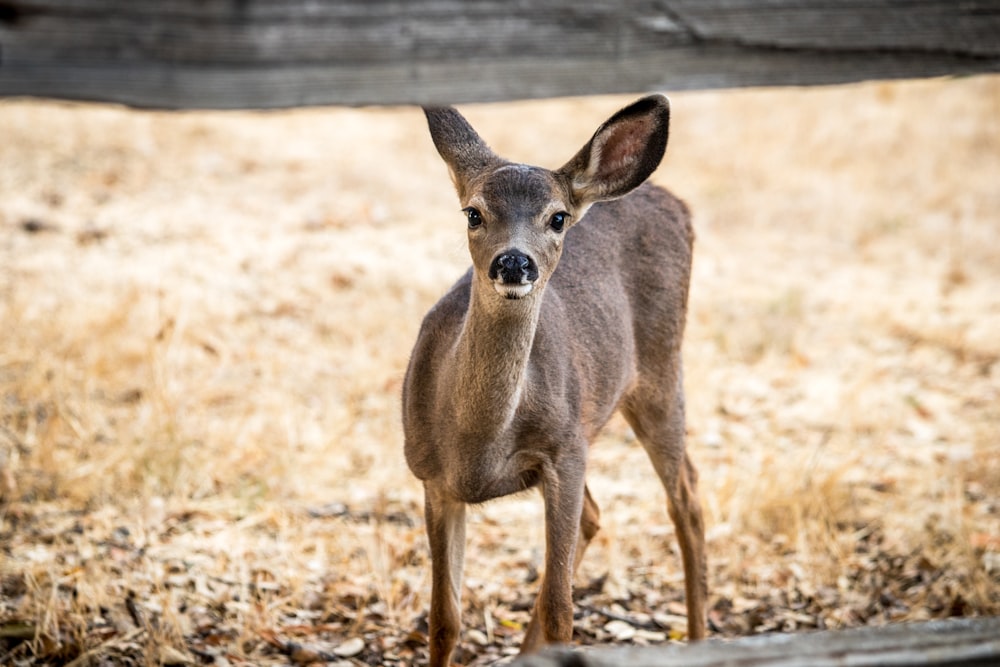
x=513, y=274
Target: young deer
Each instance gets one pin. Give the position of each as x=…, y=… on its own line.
x=520, y=364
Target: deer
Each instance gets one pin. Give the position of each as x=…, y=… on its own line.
x=574, y=308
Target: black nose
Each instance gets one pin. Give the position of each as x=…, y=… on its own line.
x=515, y=267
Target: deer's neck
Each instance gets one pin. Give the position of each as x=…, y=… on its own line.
x=490, y=362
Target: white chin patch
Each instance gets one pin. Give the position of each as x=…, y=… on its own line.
x=513, y=291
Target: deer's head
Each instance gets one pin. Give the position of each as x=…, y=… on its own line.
x=518, y=215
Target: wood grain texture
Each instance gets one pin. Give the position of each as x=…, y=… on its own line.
x=279, y=53
x=967, y=642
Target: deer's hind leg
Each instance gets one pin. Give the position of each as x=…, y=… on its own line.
x=658, y=423
x=590, y=523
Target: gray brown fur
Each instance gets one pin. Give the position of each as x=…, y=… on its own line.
x=503, y=394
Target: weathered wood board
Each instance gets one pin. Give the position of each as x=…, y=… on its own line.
x=966, y=642
x=280, y=53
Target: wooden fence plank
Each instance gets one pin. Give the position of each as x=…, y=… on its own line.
x=965, y=642
x=277, y=53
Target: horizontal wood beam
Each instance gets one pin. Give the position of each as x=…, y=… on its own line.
x=964, y=642
x=280, y=53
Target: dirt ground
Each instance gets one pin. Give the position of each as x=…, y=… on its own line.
x=205, y=319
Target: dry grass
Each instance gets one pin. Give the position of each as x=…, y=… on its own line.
x=206, y=317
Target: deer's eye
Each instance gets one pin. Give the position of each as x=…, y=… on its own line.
x=558, y=221
x=474, y=216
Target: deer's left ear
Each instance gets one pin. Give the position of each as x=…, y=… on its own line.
x=623, y=152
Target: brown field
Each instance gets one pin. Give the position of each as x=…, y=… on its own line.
x=205, y=319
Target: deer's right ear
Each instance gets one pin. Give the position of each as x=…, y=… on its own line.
x=465, y=153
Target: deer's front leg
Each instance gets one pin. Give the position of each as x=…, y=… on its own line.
x=552, y=618
x=445, y=519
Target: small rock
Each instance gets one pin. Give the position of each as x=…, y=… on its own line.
x=477, y=637
x=350, y=648
x=651, y=636
x=620, y=630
